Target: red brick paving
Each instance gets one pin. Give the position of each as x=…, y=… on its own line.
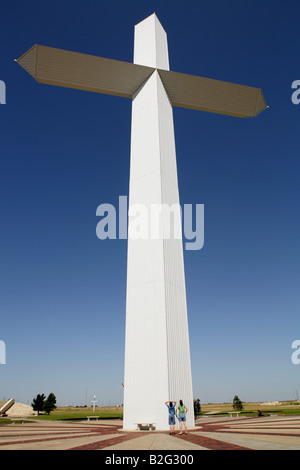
x=77, y=431
x=75, y=434
x=225, y=427
x=209, y=443
x=108, y=442
x=31, y=441
x=267, y=433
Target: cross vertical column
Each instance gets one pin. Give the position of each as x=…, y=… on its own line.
x=157, y=356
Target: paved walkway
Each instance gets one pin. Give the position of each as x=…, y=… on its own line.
x=210, y=433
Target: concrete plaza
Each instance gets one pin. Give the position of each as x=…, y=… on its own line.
x=210, y=433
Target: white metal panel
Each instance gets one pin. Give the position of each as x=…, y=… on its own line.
x=157, y=357
x=179, y=366
x=146, y=368
x=150, y=44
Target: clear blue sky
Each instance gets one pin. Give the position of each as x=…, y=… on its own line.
x=64, y=152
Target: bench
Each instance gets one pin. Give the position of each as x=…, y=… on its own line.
x=92, y=417
x=142, y=425
x=231, y=413
x=18, y=420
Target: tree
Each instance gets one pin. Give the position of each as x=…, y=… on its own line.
x=197, y=407
x=38, y=403
x=237, y=404
x=50, y=403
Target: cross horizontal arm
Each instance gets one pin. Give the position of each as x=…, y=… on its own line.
x=84, y=72
x=206, y=94
x=113, y=77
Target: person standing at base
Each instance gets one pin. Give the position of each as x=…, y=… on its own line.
x=171, y=405
x=181, y=412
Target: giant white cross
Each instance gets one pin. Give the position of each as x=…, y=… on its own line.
x=157, y=352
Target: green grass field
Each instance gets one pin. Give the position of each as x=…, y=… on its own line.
x=114, y=412
x=250, y=409
x=78, y=414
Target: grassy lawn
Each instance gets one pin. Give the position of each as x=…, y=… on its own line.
x=77, y=414
x=250, y=409
x=114, y=412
